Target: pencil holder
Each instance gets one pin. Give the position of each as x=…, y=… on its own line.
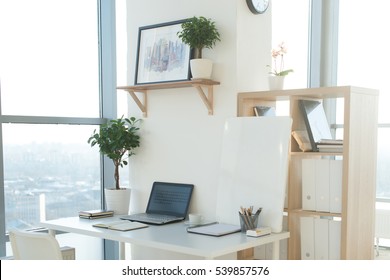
x=248, y=221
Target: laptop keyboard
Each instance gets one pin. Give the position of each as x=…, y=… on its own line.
x=157, y=218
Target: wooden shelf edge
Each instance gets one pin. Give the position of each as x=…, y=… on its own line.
x=302, y=212
x=207, y=98
x=167, y=85
x=316, y=154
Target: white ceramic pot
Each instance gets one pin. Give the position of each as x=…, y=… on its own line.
x=118, y=200
x=201, y=68
x=276, y=82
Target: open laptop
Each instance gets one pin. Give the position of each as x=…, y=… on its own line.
x=317, y=124
x=168, y=202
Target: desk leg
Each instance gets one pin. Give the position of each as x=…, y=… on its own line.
x=247, y=254
x=275, y=250
x=122, y=254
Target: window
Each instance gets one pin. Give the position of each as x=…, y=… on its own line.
x=51, y=68
x=292, y=28
x=49, y=61
x=362, y=62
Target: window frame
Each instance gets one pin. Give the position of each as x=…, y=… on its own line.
x=107, y=110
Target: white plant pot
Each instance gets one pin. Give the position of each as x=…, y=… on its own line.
x=201, y=68
x=118, y=200
x=276, y=82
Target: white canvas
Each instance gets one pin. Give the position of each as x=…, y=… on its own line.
x=254, y=168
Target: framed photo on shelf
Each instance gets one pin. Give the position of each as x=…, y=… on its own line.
x=161, y=55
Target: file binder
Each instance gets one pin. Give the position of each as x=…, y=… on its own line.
x=322, y=185
x=309, y=184
x=321, y=239
x=307, y=238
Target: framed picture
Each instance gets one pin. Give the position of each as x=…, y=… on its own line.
x=161, y=55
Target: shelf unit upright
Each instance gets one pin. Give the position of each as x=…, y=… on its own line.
x=359, y=164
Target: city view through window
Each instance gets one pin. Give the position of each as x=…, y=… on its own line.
x=49, y=179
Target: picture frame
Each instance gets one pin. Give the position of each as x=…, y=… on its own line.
x=161, y=55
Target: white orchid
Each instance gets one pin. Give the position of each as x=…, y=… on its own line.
x=278, y=61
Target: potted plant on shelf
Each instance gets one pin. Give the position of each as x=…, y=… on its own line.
x=117, y=139
x=277, y=73
x=199, y=33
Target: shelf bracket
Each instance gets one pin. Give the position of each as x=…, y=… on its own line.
x=199, y=84
x=206, y=98
x=141, y=106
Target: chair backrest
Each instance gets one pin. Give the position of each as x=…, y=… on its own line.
x=34, y=246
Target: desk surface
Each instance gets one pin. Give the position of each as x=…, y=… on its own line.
x=171, y=237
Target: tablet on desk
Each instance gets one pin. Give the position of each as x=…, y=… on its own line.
x=214, y=229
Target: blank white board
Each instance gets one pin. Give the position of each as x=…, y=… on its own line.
x=254, y=169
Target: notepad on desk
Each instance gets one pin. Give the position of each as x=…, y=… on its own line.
x=214, y=229
x=121, y=225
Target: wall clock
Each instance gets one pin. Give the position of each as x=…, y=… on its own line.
x=258, y=6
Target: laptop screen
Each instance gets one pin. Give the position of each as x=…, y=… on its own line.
x=316, y=122
x=170, y=199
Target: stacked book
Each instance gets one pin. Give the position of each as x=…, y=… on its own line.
x=95, y=214
x=330, y=146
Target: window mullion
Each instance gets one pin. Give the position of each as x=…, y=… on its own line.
x=324, y=50
x=108, y=107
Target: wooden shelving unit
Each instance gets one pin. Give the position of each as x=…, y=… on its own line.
x=198, y=84
x=359, y=164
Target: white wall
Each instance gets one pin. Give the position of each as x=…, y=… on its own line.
x=180, y=141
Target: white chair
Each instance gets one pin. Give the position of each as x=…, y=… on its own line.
x=34, y=246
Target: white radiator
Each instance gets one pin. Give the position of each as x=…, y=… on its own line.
x=382, y=225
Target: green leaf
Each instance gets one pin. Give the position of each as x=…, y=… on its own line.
x=285, y=72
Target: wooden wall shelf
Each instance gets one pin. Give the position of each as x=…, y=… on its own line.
x=199, y=84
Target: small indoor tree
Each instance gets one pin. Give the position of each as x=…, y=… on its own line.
x=117, y=139
x=199, y=33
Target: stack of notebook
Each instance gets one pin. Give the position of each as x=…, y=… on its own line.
x=330, y=146
x=95, y=214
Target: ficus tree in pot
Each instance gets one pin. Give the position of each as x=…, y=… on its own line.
x=199, y=33
x=117, y=139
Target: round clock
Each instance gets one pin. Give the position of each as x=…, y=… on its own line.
x=258, y=6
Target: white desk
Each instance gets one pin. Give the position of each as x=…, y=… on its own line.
x=171, y=237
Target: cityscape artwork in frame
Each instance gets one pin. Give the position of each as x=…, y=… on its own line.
x=162, y=56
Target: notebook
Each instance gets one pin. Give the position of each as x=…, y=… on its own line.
x=168, y=202
x=121, y=225
x=214, y=229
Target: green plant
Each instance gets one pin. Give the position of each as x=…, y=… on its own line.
x=199, y=33
x=115, y=139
